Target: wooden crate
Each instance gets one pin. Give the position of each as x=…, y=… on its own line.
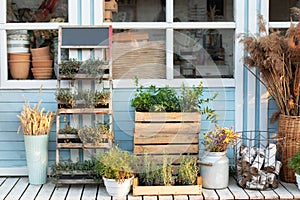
x=167, y=190
x=76, y=177
x=171, y=133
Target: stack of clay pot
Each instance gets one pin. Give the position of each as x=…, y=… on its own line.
x=18, y=56
x=41, y=63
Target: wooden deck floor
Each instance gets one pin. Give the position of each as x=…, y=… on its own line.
x=12, y=188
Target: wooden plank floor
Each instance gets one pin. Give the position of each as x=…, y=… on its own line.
x=12, y=188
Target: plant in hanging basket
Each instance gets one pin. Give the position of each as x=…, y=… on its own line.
x=275, y=55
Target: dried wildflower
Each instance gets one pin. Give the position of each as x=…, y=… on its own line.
x=277, y=58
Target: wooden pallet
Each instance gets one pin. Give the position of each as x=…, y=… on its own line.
x=167, y=190
x=166, y=133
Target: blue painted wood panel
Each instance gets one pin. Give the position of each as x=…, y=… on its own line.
x=12, y=152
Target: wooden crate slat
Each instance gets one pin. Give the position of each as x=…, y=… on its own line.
x=175, y=159
x=77, y=181
x=167, y=127
x=168, y=190
x=167, y=117
x=84, y=111
x=178, y=138
x=80, y=145
x=168, y=149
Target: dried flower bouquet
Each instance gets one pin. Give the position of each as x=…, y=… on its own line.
x=277, y=57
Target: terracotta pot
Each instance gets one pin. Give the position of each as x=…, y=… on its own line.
x=42, y=63
x=42, y=73
x=43, y=51
x=19, y=69
x=19, y=56
x=47, y=57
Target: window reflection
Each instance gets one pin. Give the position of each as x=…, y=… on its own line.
x=203, y=53
x=37, y=11
x=281, y=10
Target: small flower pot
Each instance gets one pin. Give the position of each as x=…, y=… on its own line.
x=19, y=56
x=19, y=69
x=43, y=51
x=42, y=63
x=117, y=189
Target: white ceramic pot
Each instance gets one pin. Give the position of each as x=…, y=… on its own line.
x=116, y=189
x=298, y=180
x=214, y=170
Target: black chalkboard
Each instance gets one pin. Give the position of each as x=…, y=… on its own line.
x=85, y=36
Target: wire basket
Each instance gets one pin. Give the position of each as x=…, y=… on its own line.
x=257, y=160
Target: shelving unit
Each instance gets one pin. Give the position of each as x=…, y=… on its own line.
x=91, y=39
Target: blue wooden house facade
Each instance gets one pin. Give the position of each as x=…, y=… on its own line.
x=242, y=101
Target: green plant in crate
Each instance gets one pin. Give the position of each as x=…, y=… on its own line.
x=147, y=170
x=66, y=98
x=93, y=67
x=165, y=99
x=69, y=68
x=188, y=170
x=164, y=173
x=95, y=135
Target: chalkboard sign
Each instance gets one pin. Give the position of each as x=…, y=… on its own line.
x=85, y=36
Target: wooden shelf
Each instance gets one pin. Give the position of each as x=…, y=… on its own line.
x=84, y=111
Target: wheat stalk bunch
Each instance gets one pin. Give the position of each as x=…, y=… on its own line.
x=35, y=121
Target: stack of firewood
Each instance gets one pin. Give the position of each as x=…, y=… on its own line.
x=258, y=168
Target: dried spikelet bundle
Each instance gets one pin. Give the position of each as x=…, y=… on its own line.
x=277, y=57
x=35, y=121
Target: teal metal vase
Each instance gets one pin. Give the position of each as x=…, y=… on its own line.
x=37, y=158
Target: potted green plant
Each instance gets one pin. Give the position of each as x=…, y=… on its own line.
x=215, y=164
x=117, y=168
x=36, y=125
x=294, y=164
x=188, y=170
x=167, y=118
x=69, y=68
x=97, y=135
x=65, y=98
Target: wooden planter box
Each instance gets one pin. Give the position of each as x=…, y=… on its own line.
x=171, y=133
x=167, y=190
x=76, y=177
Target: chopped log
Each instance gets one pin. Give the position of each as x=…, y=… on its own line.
x=270, y=159
x=258, y=162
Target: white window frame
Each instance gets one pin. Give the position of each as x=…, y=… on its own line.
x=169, y=26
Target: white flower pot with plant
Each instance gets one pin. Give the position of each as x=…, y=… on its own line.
x=116, y=167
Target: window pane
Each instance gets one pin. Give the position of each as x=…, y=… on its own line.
x=203, y=10
x=33, y=50
x=37, y=10
x=281, y=10
x=135, y=11
x=203, y=53
x=139, y=53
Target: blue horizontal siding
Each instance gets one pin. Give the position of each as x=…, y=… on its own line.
x=12, y=152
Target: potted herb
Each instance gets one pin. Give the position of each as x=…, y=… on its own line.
x=215, y=164
x=97, y=135
x=117, y=167
x=294, y=164
x=166, y=118
x=69, y=68
x=65, y=98
x=36, y=125
x=188, y=170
